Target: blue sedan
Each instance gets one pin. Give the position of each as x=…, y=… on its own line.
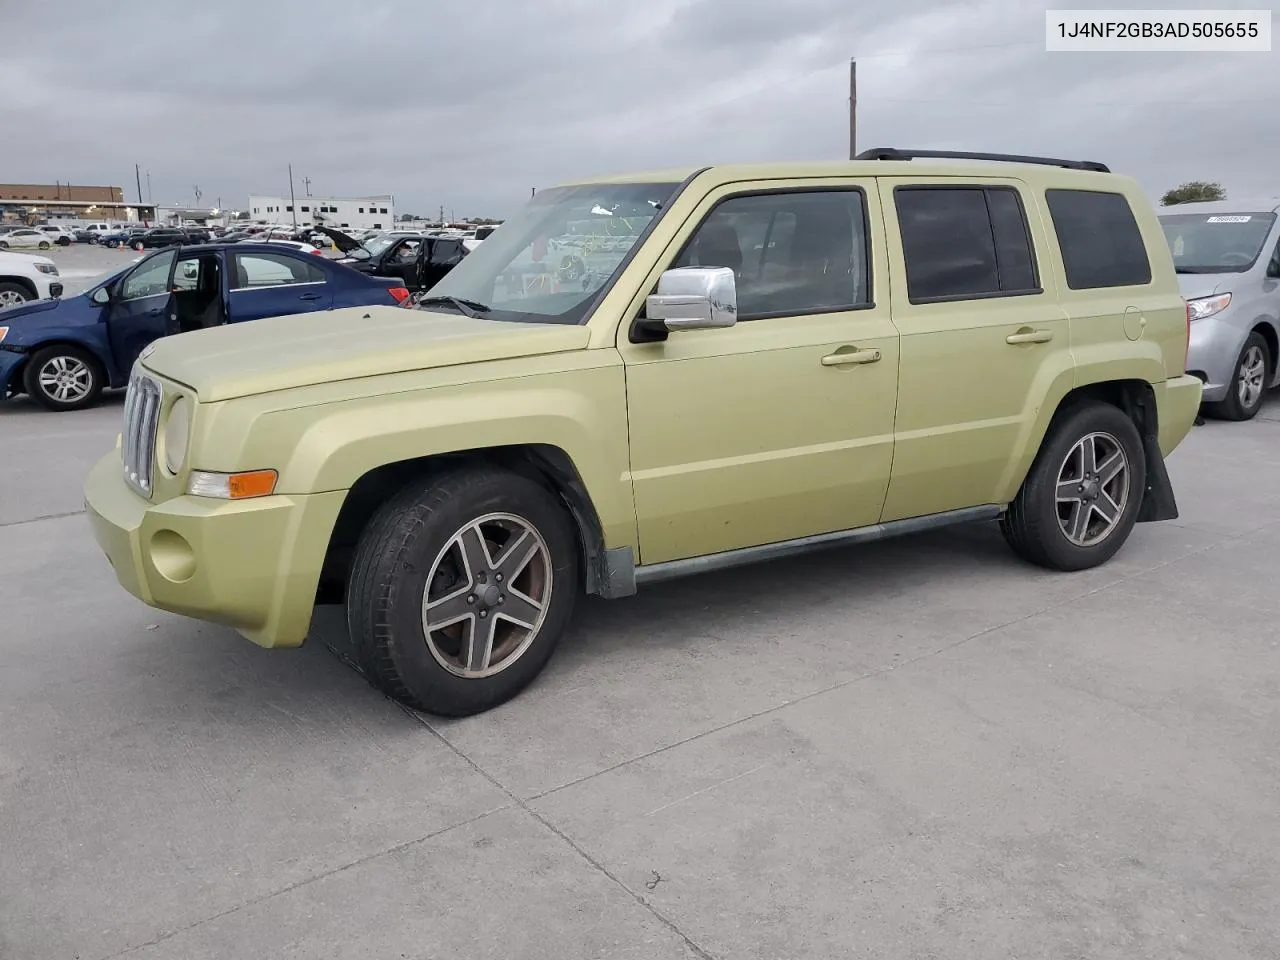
x=64, y=353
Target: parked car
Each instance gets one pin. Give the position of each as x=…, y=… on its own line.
x=63, y=353
x=297, y=245
x=59, y=234
x=417, y=260
x=234, y=236
x=159, y=237
x=1227, y=255
x=25, y=238
x=932, y=344
x=24, y=277
x=122, y=237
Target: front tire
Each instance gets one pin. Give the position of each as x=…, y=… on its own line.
x=63, y=377
x=1080, y=500
x=1249, y=382
x=461, y=587
x=14, y=294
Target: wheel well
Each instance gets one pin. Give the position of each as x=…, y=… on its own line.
x=544, y=464
x=23, y=282
x=20, y=369
x=1137, y=400
x=1268, y=333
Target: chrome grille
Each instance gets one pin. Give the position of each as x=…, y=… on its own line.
x=138, y=441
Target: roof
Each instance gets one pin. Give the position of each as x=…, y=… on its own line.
x=729, y=173
x=1271, y=204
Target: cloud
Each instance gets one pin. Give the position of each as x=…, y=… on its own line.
x=469, y=105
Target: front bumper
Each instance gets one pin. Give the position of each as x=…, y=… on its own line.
x=251, y=564
x=1213, y=350
x=1177, y=404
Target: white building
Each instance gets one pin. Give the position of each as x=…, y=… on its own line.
x=376, y=213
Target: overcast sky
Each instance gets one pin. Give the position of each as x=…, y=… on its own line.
x=470, y=104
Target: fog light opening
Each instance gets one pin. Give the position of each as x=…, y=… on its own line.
x=172, y=556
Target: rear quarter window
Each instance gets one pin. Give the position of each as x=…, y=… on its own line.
x=1100, y=240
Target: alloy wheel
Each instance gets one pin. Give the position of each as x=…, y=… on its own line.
x=1250, y=377
x=66, y=379
x=487, y=594
x=11, y=298
x=1092, y=489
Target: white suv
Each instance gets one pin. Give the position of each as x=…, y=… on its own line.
x=58, y=234
x=24, y=278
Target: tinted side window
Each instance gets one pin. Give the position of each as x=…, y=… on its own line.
x=792, y=253
x=1014, y=260
x=442, y=251
x=1100, y=240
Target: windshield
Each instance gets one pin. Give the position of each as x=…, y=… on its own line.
x=1216, y=243
x=549, y=262
x=376, y=245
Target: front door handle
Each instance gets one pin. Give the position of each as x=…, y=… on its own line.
x=310, y=296
x=1029, y=336
x=838, y=359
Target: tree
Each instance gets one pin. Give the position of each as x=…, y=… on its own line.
x=407, y=217
x=1193, y=191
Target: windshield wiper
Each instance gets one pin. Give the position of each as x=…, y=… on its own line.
x=1203, y=269
x=470, y=308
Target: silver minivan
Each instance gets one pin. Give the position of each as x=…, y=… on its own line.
x=1227, y=255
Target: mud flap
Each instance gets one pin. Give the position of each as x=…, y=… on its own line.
x=1158, y=502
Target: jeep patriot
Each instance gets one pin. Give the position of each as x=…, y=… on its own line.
x=648, y=376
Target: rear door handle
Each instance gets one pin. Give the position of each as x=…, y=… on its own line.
x=309, y=296
x=838, y=359
x=1029, y=336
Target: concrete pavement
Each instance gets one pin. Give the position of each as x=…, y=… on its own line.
x=920, y=748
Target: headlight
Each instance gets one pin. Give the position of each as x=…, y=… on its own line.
x=177, y=434
x=232, y=486
x=47, y=268
x=1207, y=306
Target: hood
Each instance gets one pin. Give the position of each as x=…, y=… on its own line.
x=1196, y=285
x=19, y=261
x=20, y=318
x=342, y=241
x=281, y=353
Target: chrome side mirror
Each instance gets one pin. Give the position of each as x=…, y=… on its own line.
x=694, y=298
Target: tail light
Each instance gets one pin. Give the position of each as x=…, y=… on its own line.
x=315, y=251
x=401, y=294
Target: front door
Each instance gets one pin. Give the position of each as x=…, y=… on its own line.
x=275, y=284
x=983, y=337
x=140, y=308
x=781, y=426
x=445, y=255
x=404, y=261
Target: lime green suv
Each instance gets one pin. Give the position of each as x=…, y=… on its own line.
x=656, y=375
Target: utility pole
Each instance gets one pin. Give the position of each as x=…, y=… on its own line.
x=853, y=108
x=149, y=186
x=533, y=192
x=137, y=175
x=442, y=215
x=306, y=185
x=292, y=204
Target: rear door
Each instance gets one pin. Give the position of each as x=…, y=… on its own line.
x=140, y=308
x=274, y=284
x=983, y=336
x=445, y=255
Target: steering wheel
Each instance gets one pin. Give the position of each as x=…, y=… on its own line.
x=571, y=268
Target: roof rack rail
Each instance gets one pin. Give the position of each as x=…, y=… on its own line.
x=893, y=153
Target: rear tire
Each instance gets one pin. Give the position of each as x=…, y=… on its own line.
x=420, y=551
x=1253, y=372
x=44, y=245
x=1076, y=508
x=63, y=377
